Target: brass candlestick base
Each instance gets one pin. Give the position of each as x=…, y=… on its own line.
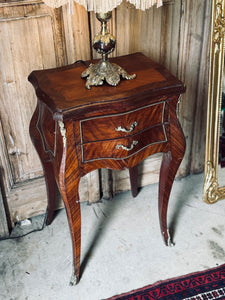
x=104, y=70
x=104, y=43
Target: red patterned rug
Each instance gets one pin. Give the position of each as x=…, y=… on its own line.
x=205, y=285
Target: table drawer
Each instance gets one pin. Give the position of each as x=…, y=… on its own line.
x=123, y=124
x=124, y=147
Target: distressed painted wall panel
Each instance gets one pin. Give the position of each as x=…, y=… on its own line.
x=177, y=37
x=199, y=128
x=192, y=60
x=21, y=56
x=77, y=33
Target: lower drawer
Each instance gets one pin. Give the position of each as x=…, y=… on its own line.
x=124, y=147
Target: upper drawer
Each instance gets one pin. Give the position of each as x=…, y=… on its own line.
x=123, y=124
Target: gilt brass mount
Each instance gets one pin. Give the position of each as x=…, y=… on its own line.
x=104, y=43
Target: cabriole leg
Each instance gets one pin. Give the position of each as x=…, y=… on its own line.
x=170, y=164
x=70, y=194
x=51, y=185
x=167, y=174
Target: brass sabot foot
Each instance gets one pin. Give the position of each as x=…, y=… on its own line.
x=104, y=70
x=73, y=280
x=168, y=239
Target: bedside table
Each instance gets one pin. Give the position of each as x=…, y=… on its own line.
x=76, y=131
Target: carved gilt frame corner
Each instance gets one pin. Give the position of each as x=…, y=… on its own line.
x=211, y=190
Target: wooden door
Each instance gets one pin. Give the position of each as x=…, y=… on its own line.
x=32, y=36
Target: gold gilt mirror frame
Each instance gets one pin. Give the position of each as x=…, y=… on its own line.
x=213, y=190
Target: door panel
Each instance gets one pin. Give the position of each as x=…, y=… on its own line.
x=17, y=98
x=32, y=37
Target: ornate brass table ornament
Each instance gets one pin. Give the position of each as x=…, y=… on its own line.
x=104, y=43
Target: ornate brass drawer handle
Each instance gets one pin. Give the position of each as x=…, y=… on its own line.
x=132, y=126
x=126, y=148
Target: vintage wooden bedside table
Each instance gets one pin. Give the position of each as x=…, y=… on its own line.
x=76, y=130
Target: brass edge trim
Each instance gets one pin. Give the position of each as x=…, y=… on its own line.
x=63, y=132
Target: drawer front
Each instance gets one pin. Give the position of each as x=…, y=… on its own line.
x=122, y=125
x=125, y=147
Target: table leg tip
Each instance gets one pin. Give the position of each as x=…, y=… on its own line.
x=73, y=280
x=167, y=239
x=170, y=243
